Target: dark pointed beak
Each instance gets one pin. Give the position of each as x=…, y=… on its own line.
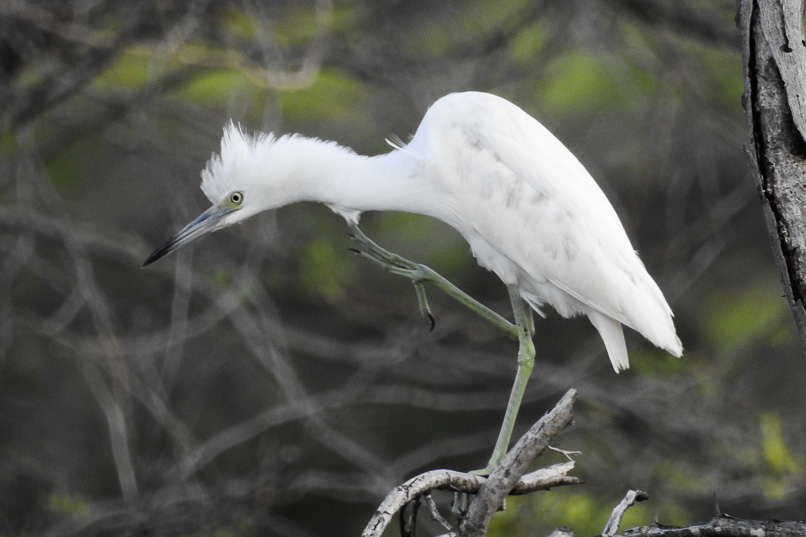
x=210, y=220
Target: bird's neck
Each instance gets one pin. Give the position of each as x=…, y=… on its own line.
x=350, y=183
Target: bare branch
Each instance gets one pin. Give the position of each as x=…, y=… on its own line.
x=61, y=85
x=633, y=496
x=509, y=471
x=543, y=479
x=724, y=526
x=490, y=491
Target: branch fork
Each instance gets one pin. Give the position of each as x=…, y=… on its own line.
x=509, y=477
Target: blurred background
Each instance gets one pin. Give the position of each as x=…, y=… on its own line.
x=265, y=381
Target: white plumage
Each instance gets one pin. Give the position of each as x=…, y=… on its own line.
x=529, y=210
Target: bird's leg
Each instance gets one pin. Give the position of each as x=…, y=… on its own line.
x=523, y=330
x=419, y=274
x=526, y=360
x=524, y=321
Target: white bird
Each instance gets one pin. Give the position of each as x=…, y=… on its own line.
x=530, y=211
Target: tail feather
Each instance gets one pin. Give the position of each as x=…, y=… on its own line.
x=613, y=337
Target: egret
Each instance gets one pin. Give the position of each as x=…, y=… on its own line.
x=529, y=210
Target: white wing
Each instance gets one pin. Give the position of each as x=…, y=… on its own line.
x=535, y=216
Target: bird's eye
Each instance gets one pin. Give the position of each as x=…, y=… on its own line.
x=236, y=197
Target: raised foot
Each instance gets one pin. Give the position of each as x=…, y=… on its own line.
x=417, y=273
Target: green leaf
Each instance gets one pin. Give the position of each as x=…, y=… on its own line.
x=776, y=453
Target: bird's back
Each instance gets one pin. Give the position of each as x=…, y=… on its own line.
x=535, y=216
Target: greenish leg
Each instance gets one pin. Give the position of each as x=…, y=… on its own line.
x=419, y=274
x=523, y=329
x=524, y=321
x=526, y=361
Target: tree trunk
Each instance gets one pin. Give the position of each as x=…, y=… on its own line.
x=774, y=99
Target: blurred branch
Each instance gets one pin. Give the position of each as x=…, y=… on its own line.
x=701, y=22
x=218, y=392
x=246, y=430
x=118, y=425
x=47, y=21
x=114, y=398
x=261, y=73
x=74, y=76
x=102, y=46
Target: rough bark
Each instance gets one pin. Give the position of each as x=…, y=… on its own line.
x=724, y=526
x=774, y=99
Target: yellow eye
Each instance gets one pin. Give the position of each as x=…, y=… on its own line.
x=236, y=197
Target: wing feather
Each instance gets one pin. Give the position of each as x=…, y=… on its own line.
x=534, y=215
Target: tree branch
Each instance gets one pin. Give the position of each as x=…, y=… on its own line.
x=506, y=475
x=507, y=478
x=723, y=526
x=611, y=527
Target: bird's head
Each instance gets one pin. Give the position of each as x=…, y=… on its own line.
x=235, y=182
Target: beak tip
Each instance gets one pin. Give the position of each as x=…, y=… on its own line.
x=159, y=253
x=150, y=259
x=208, y=221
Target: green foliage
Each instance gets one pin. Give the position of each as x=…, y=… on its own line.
x=219, y=277
x=725, y=83
x=781, y=469
x=778, y=456
x=527, y=43
x=8, y=143
x=215, y=88
x=238, y=23
x=424, y=240
x=738, y=316
x=129, y=71
x=29, y=368
x=579, y=81
x=540, y=513
x=323, y=270
x=69, y=169
x=297, y=25
x=652, y=362
x=333, y=94
x=634, y=97
x=67, y=504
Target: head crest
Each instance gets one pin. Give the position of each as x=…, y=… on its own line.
x=239, y=151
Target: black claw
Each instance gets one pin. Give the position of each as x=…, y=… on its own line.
x=432, y=321
x=356, y=251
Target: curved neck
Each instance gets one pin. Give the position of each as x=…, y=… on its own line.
x=350, y=183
